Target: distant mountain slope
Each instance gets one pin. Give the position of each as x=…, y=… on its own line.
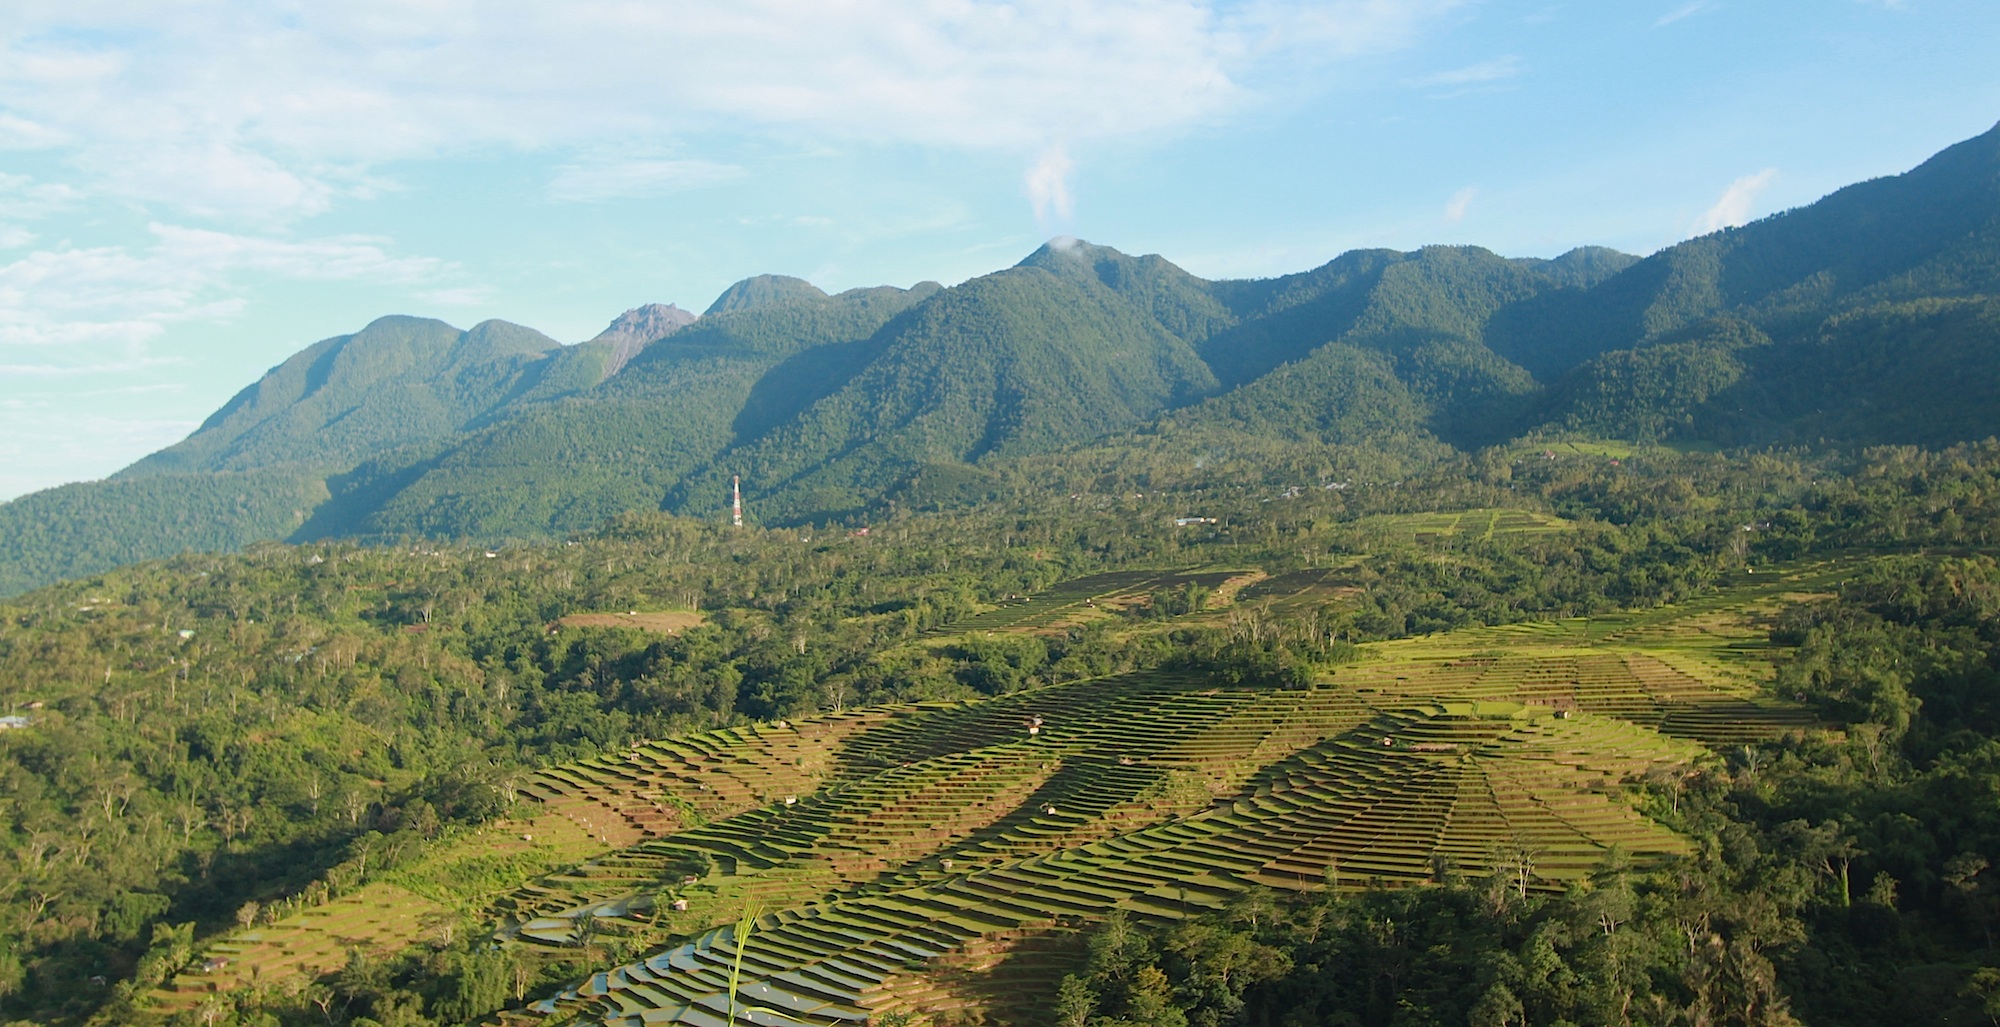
x=258, y=467
x=569, y=463
x=1933, y=231
x=1823, y=324
x=764, y=291
x=1025, y=360
x=1868, y=317
x=1406, y=355
x=401, y=380
x=81, y=529
x=1923, y=372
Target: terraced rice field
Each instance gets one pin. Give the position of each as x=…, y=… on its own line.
x=914, y=855
x=1482, y=787
x=379, y=917
x=1503, y=750
x=1301, y=588
x=1079, y=597
x=383, y=916
x=1484, y=524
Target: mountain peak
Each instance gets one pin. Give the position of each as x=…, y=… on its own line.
x=1068, y=250
x=642, y=325
x=631, y=331
x=763, y=291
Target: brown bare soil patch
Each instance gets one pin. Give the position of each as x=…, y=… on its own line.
x=671, y=622
x=1225, y=593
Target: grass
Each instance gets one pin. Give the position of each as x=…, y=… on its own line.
x=460, y=876
x=1485, y=523
x=377, y=917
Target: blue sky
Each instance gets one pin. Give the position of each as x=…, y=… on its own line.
x=191, y=192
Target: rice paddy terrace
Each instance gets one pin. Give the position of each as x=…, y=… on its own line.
x=1082, y=598
x=931, y=856
x=1483, y=523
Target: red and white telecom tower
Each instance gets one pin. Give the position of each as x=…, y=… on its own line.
x=736, y=500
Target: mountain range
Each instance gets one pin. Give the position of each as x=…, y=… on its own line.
x=1869, y=317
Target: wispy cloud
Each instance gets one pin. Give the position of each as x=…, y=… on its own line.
x=1686, y=10
x=1498, y=69
x=1460, y=202
x=1047, y=183
x=24, y=197
x=18, y=133
x=1734, y=206
x=280, y=112
x=627, y=179
x=79, y=370
x=87, y=298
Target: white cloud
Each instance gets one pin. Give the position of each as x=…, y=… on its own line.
x=1734, y=206
x=71, y=316
x=207, y=178
x=90, y=300
x=18, y=133
x=1047, y=183
x=14, y=237
x=1460, y=202
x=1686, y=10
x=23, y=197
x=613, y=180
x=1495, y=70
x=277, y=111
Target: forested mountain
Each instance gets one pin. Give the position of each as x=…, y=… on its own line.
x=569, y=462
x=1864, y=318
x=401, y=380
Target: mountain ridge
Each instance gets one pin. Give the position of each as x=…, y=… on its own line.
x=1841, y=323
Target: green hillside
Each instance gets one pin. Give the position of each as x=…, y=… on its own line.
x=74, y=530
x=570, y=463
x=1928, y=232
x=401, y=380
x=1505, y=732
x=1025, y=360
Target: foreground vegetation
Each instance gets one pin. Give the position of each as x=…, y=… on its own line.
x=217, y=747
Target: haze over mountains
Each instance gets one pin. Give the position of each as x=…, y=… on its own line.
x=1869, y=317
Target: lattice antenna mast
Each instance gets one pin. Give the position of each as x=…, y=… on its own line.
x=736, y=500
